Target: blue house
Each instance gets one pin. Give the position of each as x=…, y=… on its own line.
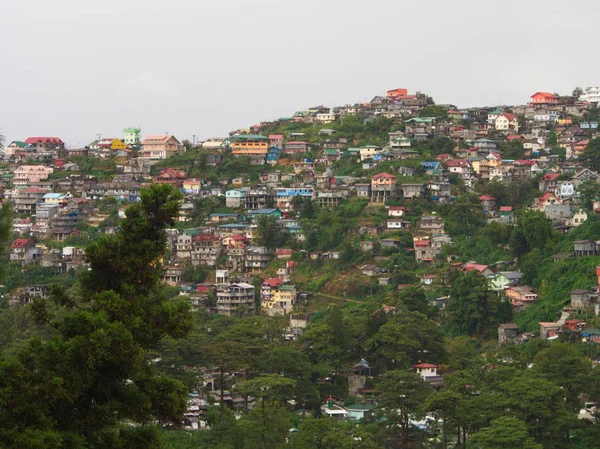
x=273, y=155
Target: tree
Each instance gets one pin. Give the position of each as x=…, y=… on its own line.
x=504, y=433
x=329, y=434
x=269, y=232
x=591, y=155
x=577, y=92
x=533, y=230
x=513, y=150
x=87, y=385
x=401, y=395
x=5, y=225
x=472, y=309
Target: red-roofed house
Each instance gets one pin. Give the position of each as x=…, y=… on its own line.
x=396, y=211
x=548, y=181
x=426, y=370
x=579, y=147
x=283, y=253
x=506, y=122
x=45, y=143
x=22, y=250
x=488, y=203
x=473, y=266
x=539, y=98
x=171, y=176
x=547, y=199
x=276, y=140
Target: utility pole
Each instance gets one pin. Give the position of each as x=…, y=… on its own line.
x=193, y=140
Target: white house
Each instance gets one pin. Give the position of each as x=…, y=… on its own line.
x=506, y=121
x=426, y=370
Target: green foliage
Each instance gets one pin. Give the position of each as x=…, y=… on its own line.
x=503, y=433
x=84, y=383
x=591, y=155
x=472, y=309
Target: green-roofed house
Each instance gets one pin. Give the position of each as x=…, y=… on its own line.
x=13, y=147
x=357, y=412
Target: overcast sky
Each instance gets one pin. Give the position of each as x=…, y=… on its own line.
x=74, y=68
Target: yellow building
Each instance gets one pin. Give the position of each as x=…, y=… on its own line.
x=284, y=298
x=118, y=144
x=249, y=144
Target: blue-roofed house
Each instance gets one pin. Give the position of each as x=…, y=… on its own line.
x=432, y=168
x=54, y=198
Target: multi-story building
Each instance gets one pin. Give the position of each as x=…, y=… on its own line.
x=206, y=250
x=235, y=299
x=160, y=146
x=25, y=200
x=285, y=196
x=132, y=136
x=28, y=174
x=258, y=199
x=383, y=187
x=257, y=258
x=254, y=146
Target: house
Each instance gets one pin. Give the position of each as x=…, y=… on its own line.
x=488, y=203
x=426, y=370
x=160, y=146
x=383, y=187
x=584, y=248
x=254, y=214
x=521, y=294
x=357, y=412
x=431, y=168
x=28, y=174
x=585, y=175
x=544, y=98
x=368, y=152
x=506, y=122
x=473, y=266
x=507, y=333
x=550, y=330
x=580, y=298
x=546, y=200
x=398, y=223
x=393, y=94
x=171, y=176
x=396, y=211
x=235, y=299
x=276, y=140
x=548, y=181
x=371, y=270
x=578, y=218
x=235, y=198
x=296, y=147
x=590, y=94
x=23, y=251
x=45, y=143
x=411, y=191
x=431, y=224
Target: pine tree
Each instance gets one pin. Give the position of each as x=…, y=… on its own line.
x=92, y=385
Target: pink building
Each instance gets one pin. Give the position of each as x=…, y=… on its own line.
x=160, y=146
x=26, y=174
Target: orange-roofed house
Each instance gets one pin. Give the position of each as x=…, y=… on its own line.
x=395, y=93
x=383, y=187
x=473, y=266
x=160, y=146
x=543, y=98
x=506, y=122
x=579, y=147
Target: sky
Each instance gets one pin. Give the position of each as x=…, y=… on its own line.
x=75, y=69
